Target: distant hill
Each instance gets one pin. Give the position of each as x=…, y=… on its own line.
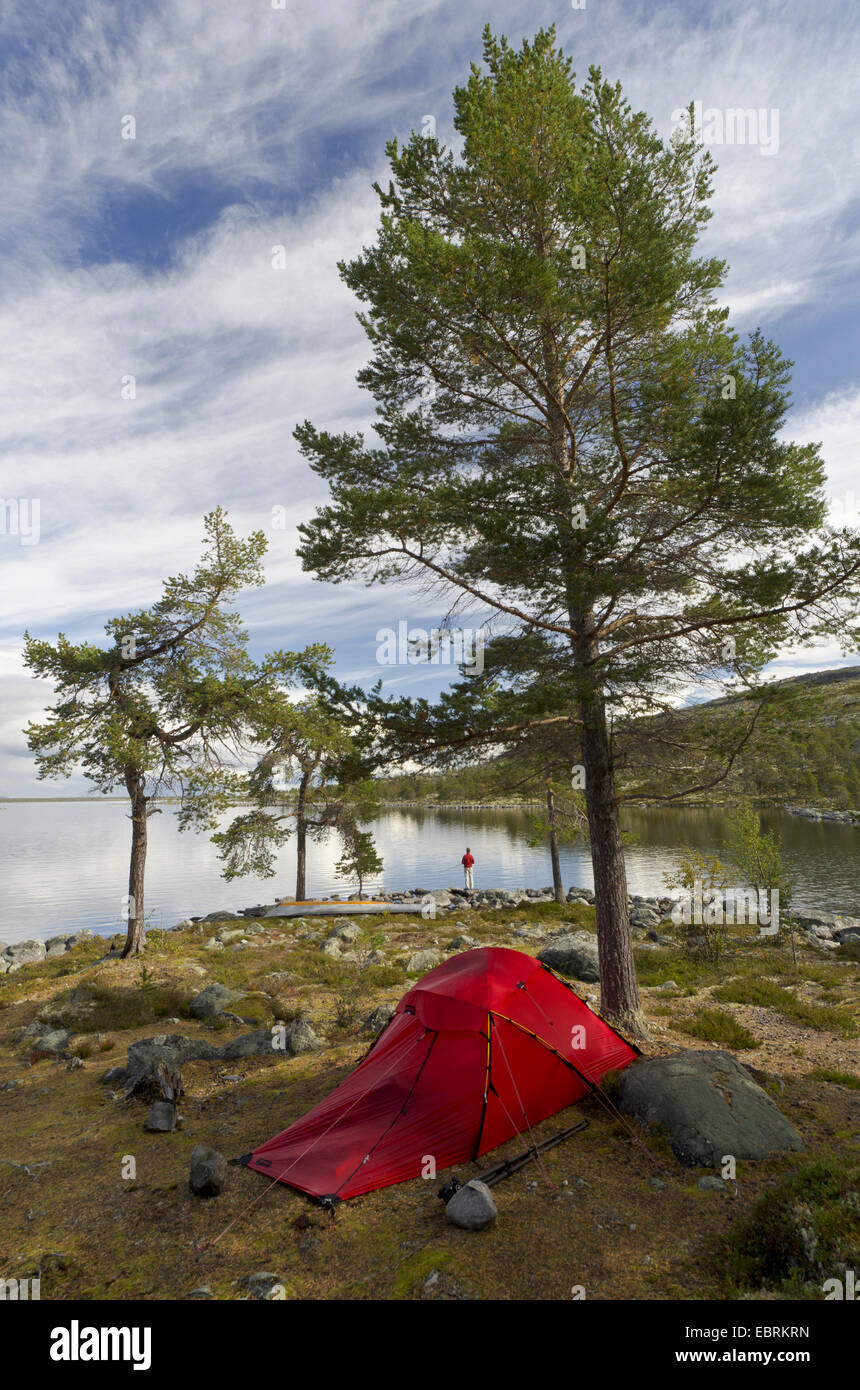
x=809, y=754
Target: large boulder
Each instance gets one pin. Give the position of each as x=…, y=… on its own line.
x=574, y=954
x=709, y=1106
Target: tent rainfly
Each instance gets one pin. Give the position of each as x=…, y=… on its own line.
x=482, y=1048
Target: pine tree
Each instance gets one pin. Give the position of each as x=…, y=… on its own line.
x=569, y=436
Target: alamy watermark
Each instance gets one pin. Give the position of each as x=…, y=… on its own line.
x=731, y=125
x=443, y=646
x=20, y=516
x=726, y=906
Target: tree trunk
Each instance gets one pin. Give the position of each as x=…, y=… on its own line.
x=558, y=886
x=301, y=837
x=619, y=989
x=135, y=934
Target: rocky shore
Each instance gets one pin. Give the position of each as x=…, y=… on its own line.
x=812, y=813
x=824, y=931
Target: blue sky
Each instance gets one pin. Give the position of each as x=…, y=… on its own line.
x=257, y=127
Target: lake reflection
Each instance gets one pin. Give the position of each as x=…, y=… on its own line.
x=65, y=864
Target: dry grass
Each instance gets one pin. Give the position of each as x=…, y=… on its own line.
x=598, y=1223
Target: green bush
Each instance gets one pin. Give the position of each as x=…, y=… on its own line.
x=806, y=1229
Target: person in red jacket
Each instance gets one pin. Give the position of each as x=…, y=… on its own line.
x=467, y=861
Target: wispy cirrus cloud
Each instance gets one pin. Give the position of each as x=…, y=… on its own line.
x=254, y=127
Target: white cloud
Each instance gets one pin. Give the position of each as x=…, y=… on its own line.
x=283, y=114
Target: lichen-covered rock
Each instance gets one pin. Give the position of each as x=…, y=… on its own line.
x=422, y=961
x=24, y=953
x=213, y=1000
x=709, y=1106
x=44, y=1037
x=574, y=954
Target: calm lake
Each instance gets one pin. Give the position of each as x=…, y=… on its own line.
x=65, y=864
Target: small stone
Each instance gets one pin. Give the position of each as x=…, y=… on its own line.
x=263, y=1285
x=208, y=1171
x=379, y=1019
x=472, y=1207
x=711, y=1184
x=161, y=1118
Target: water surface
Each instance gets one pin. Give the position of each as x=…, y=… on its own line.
x=64, y=865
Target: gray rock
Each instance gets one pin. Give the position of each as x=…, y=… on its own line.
x=346, y=931
x=78, y=938
x=204, y=1292
x=644, y=917
x=712, y=1184
x=379, y=1019
x=472, y=1207
x=442, y=897
x=263, y=1285
x=301, y=1037
x=115, y=1076
x=298, y=1036
x=331, y=947
x=161, y=1118
x=709, y=1106
x=669, y=984
x=170, y=1048
x=221, y=917
x=213, y=1000
x=43, y=1037
x=573, y=954
x=228, y=934
x=24, y=953
x=208, y=1171
x=462, y=943
x=11, y=1085
x=260, y=1043
x=422, y=961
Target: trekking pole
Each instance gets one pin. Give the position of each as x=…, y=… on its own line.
x=509, y=1166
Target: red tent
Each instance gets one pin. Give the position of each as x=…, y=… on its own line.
x=483, y=1047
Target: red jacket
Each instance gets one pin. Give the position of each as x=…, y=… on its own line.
x=468, y=860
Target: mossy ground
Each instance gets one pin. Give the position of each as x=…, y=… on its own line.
x=597, y=1222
